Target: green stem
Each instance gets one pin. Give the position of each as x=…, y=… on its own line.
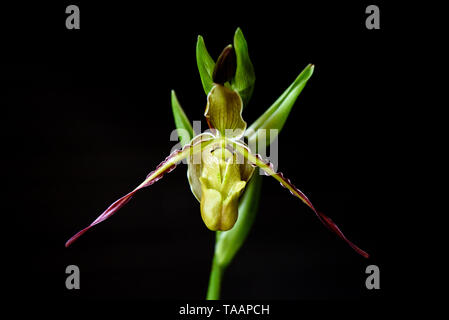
x=216, y=274
x=229, y=242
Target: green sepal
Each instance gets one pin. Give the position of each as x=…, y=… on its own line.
x=205, y=65
x=229, y=242
x=277, y=114
x=243, y=81
x=181, y=120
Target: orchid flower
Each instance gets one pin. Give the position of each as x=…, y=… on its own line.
x=221, y=166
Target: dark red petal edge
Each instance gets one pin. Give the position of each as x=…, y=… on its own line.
x=321, y=216
x=113, y=208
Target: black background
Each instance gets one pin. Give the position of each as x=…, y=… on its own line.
x=88, y=116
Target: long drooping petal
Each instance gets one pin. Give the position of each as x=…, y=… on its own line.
x=166, y=166
x=285, y=182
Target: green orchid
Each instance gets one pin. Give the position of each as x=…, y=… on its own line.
x=221, y=166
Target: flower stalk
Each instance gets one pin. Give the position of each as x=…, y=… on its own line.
x=215, y=279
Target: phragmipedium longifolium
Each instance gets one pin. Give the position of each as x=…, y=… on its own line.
x=221, y=166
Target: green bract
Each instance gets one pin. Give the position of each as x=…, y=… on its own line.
x=181, y=121
x=277, y=114
x=242, y=82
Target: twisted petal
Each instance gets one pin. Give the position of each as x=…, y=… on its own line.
x=285, y=182
x=166, y=166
